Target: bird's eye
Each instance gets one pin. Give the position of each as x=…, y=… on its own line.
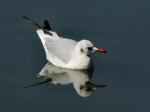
x=81, y=87
x=90, y=48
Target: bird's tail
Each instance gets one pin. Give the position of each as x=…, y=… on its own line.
x=46, y=27
x=44, y=81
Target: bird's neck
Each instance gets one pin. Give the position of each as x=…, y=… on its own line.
x=80, y=61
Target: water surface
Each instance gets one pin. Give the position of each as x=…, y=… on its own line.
x=122, y=27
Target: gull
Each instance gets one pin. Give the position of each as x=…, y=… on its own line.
x=64, y=52
x=80, y=79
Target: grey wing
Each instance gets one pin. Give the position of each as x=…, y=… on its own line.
x=61, y=48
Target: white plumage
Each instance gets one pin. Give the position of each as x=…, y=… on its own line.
x=63, y=52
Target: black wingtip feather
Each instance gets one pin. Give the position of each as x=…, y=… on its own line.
x=47, y=25
x=26, y=18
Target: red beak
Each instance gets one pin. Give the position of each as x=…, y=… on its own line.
x=101, y=50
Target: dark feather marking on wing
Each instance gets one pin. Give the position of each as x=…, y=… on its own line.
x=37, y=25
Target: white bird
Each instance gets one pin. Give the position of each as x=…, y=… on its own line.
x=81, y=79
x=63, y=52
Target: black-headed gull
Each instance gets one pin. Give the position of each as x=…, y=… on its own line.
x=81, y=79
x=63, y=52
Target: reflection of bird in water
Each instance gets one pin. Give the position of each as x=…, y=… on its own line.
x=60, y=76
x=63, y=52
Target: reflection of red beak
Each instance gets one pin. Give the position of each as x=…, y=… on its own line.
x=101, y=50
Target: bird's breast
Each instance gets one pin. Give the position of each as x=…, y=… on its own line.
x=83, y=62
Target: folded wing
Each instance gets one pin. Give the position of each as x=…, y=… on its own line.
x=57, y=47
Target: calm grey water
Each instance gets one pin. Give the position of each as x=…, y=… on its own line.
x=122, y=27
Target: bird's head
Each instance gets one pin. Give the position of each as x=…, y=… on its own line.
x=86, y=47
x=85, y=89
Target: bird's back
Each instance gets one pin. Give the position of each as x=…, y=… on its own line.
x=57, y=47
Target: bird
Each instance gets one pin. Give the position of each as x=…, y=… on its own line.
x=80, y=79
x=64, y=52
